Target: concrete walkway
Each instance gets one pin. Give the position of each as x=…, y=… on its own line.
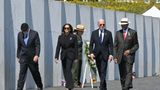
x=147, y=83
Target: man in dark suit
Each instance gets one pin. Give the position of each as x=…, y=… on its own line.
x=101, y=49
x=28, y=54
x=125, y=46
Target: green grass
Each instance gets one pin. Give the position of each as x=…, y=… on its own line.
x=138, y=8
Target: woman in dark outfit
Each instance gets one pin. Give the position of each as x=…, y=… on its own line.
x=67, y=43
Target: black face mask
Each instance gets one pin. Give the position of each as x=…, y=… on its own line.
x=25, y=34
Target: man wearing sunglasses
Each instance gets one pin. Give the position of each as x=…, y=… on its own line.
x=101, y=49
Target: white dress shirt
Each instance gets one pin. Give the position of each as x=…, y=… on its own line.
x=26, y=39
x=102, y=34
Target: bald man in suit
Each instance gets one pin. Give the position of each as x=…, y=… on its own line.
x=101, y=49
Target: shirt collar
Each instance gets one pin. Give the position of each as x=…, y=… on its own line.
x=101, y=30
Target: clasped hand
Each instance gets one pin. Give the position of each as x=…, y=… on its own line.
x=110, y=58
x=56, y=60
x=35, y=58
x=126, y=53
x=91, y=56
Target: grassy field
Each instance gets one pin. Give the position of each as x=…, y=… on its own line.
x=132, y=7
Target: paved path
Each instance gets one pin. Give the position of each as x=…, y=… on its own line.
x=147, y=83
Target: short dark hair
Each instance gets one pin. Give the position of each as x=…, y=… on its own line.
x=24, y=26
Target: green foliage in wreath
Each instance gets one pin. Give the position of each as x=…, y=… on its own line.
x=90, y=61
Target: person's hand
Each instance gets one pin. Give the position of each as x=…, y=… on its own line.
x=18, y=60
x=76, y=60
x=92, y=56
x=56, y=60
x=126, y=53
x=110, y=58
x=35, y=58
x=116, y=60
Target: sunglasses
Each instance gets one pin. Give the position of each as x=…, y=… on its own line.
x=66, y=28
x=102, y=24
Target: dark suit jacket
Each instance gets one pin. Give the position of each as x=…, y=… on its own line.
x=68, y=47
x=31, y=49
x=105, y=48
x=120, y=45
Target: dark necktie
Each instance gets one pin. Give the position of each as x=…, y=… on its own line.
x=100, y=37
